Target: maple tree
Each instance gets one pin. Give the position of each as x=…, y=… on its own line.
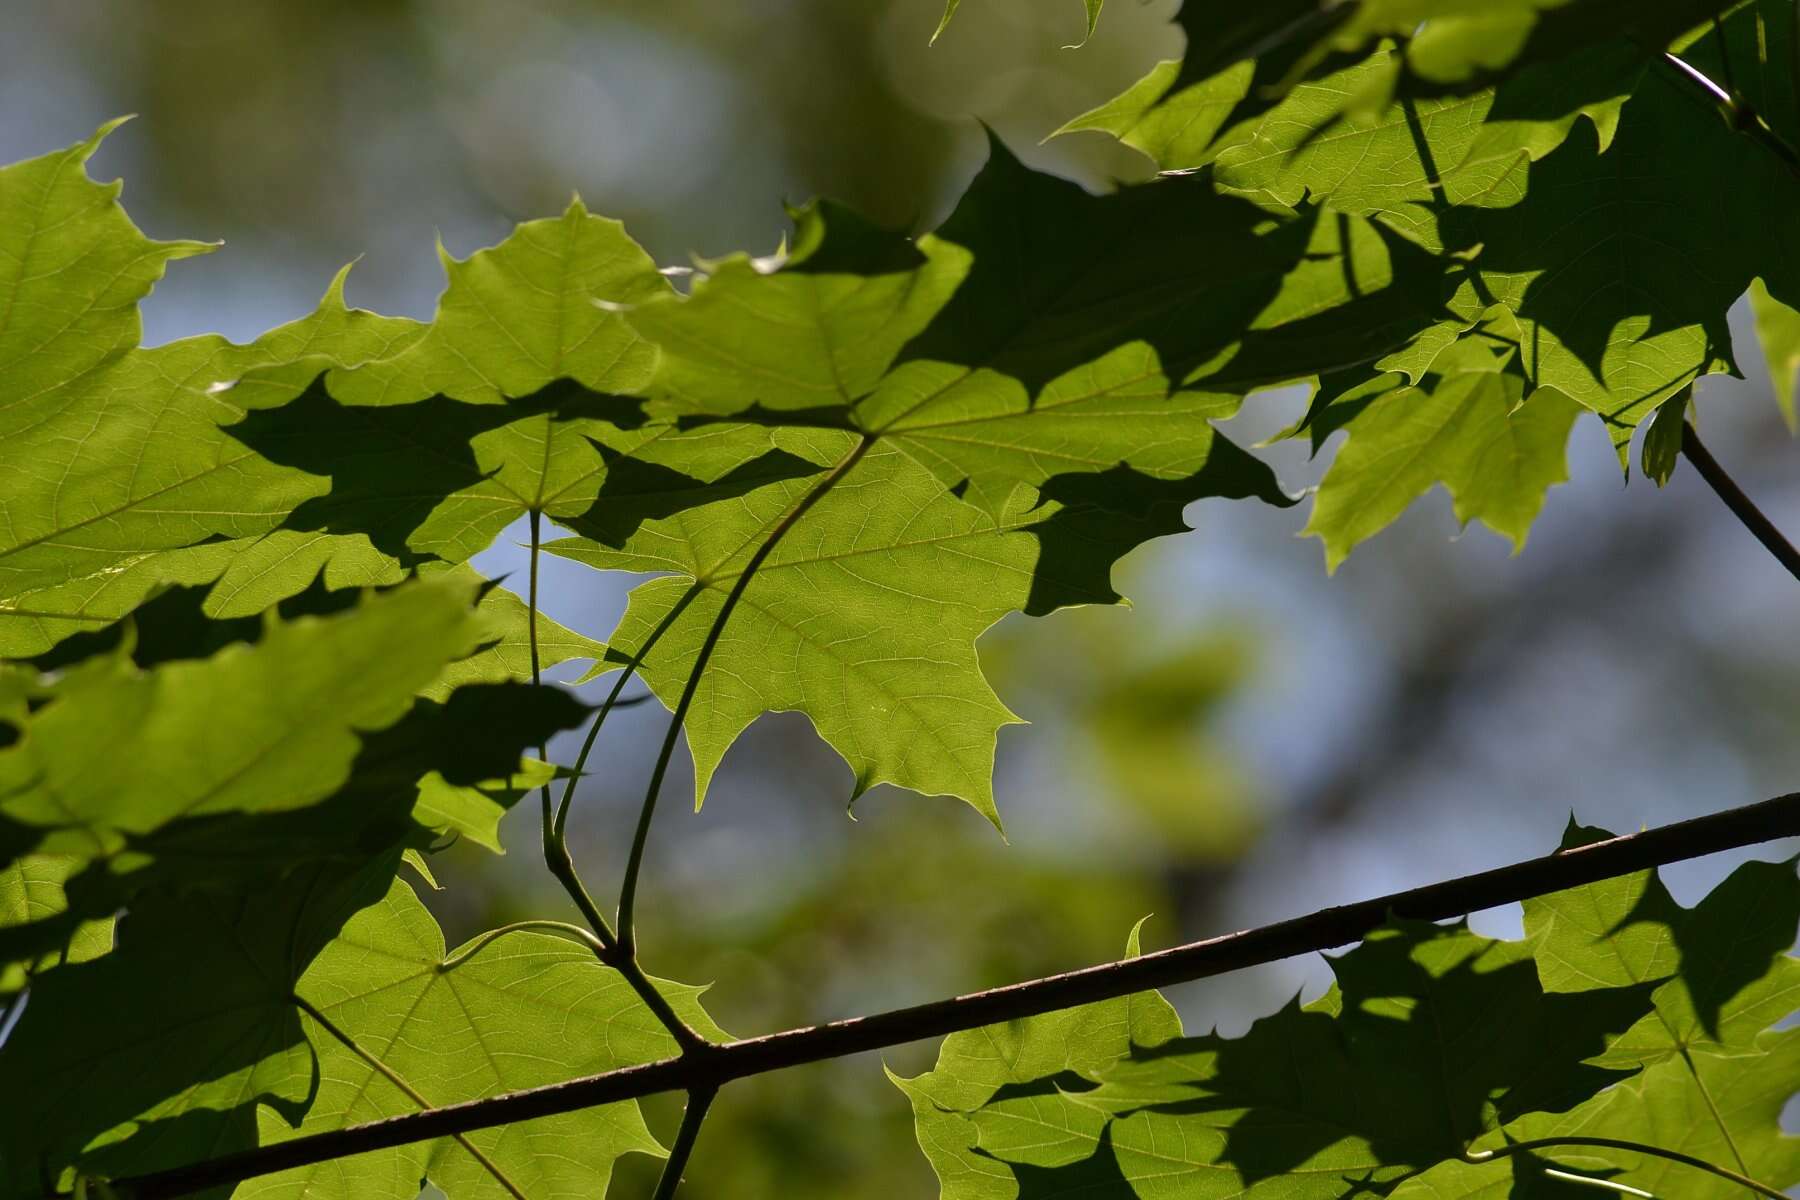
x=250, y=680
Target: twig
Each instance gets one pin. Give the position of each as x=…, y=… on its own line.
x=1738, y=112
x=612, y=699
x=1740, y=505
x=698, y=1102
x=556, y=852
x=562, y=929
x=604, y=943
x=633, y=864
x=713, y=1066
x=1605, y=1143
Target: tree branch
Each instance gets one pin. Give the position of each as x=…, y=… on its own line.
x=1741, y=505
x=711, y=1066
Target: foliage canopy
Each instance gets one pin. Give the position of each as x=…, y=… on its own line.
x=248, y=671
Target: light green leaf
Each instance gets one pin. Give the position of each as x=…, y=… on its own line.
x=178, y=1072
x=506, y=644
x=505, y=404
x=254, y=729
x=477, y=735
x=523, y=1010
x=1662, y=444
x=120, y=481
x=242, y=1046
x=1431, y=1036
x=115, y=466
x=1715, y=1078
x=1405, y=163
x=1003, y=352
x=31, y=890
x=72, y=270
x=972, y=1067
x=539, y=307
x=1621, y=291
x=474, y=809
x=818, y=335
x=1466, y=426
x=1722, y=1110
x=1778, y=328
x=1729, y=976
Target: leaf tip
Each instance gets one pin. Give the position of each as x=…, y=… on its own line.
x=102, y=133
x=334, y=292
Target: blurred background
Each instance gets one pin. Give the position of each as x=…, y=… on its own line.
x=1252, y=740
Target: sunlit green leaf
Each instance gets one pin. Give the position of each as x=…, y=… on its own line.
x=524, y=1009
x=1778, y=328
x=1467, y=426
x=1430, y=1037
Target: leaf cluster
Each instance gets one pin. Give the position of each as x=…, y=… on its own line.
x=249, y=672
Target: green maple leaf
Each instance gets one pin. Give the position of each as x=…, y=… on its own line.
x=1468, y=426
x=176, y=1074
x=1431, y=1036
x=31, y=890
x=865, y=617
x=1622, y=296
x=1031, y=407
x=222, y=771
x=1291, y=57
x=121, y=751
x=1778, y=328
x=500, y=407
x=1726, y=962
x=117, y=477
x=1714, y=1076
x=524, y=1010
x=75, y=269
x=244, y=1047
x=974, y=1067
x=1000, y=350
x=1406, y=163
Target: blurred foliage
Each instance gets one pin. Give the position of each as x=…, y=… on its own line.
x=327, y=129
x=1137, y=705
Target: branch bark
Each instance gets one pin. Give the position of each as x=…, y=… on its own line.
x=1740, y=505
x=711, y=1066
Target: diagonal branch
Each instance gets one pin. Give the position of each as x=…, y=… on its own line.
x=710, y=1066
x=1740, y=505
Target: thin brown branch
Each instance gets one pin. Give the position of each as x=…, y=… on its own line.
x=1740, y=505
x=640, y=838
x=712, y=1066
